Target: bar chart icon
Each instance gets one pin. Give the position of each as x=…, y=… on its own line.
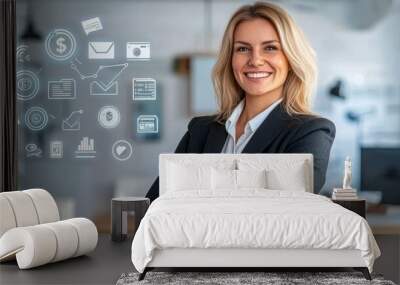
x=86, y=148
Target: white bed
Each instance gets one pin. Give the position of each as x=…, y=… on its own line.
x=202, y=220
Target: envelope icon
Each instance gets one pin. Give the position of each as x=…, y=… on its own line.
x=97, y=88
x=101, y=50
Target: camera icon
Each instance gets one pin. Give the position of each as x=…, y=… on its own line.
x=138, y=51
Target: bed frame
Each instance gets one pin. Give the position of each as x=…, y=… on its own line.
x=246, y=259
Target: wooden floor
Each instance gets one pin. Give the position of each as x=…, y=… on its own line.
x=103, y=266
x=106, y=264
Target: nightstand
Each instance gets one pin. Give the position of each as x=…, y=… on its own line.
x=120, y=209
x=358, y=206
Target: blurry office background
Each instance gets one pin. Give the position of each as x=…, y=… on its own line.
x=357, y=43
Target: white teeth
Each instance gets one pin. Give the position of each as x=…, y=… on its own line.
x=257, y=74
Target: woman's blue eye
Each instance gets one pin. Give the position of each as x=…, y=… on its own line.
x=270, y=48
x=242, y=49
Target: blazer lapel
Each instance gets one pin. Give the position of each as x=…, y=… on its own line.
x=268, y=130
x=216, y=138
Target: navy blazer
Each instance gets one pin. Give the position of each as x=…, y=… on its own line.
x=279, y=133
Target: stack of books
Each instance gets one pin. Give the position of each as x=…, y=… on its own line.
x=344, y=194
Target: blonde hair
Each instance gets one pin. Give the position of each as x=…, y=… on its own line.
x=301, y=78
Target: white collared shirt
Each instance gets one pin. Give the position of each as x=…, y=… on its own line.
x=233, y=146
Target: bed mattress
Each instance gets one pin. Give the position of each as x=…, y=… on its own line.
x=250, y=219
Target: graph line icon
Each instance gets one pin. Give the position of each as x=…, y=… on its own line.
x=97, y=89
x=106, y=78
x=72, y=122
x=86, y=148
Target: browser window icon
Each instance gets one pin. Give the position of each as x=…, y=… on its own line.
x=147, y=124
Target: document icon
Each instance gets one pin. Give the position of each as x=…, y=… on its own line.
x=147, y=124
x=92, y=25
x=101, y=50
x=62, y=89
x=144, y=89
x=56, y=149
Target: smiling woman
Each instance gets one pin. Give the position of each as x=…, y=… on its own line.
x=263, y=37
x=263, y=78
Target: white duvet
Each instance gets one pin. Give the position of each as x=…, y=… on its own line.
x=251, y=218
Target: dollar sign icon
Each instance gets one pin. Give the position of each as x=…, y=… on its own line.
x=61, y=47
x=60, y=44
x=109, y=117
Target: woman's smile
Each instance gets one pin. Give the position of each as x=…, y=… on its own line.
x=257, y=75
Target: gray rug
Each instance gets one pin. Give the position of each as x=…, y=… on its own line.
x=269, y=278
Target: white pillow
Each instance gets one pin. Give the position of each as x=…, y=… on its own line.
x=251, y=178
x=187, y=177
x=282, y=174
x=223, y=179
x=235, y=179
x=293, y=179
